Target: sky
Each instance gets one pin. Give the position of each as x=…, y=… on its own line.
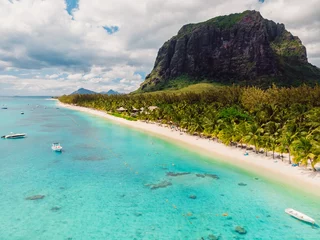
x=54, y=47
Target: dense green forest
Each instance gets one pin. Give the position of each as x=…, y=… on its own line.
x=284, y=120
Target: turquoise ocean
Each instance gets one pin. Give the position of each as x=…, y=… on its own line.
x=114, y=182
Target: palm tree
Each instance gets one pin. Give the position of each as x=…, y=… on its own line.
x=302, y=150
x=228, y=133
x=273, y=144
x=253, y=135
x=240, y=133
x=315, y=154
x=272, y=131
x=286, y=140
x=210, y=124
x=196, y=125
x=265, y=143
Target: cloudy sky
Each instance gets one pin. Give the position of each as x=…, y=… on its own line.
x=53, y=47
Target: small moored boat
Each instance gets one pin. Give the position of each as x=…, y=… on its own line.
x=14, y=135
x=56, y=147
x=299, y=215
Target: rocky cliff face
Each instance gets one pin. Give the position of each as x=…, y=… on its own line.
x=243, y=48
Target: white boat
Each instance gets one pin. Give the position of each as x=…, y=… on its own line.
x=56, y=147
x=15, y=135
x=299, y=215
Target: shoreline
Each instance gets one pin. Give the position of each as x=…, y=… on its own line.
x=273, y=169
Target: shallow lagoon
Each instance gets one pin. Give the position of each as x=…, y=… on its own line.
x=112, y=182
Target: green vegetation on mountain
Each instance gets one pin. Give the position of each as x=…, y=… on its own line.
x=286, y=46
x=182, y=84
x=286, y=120
x=225, y=22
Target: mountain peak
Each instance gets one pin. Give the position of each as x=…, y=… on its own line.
x=239, y=48
x=110, y=92
x=83, y=91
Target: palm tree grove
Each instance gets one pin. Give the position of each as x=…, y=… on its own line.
x=282, y=120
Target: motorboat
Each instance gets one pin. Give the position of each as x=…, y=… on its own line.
x=4, y=108
x=22, y=113
x=14, y=135
x=299, y=215
x=56, y=147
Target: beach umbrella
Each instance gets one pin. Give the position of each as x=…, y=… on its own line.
x=151, y=108
x=121, y=109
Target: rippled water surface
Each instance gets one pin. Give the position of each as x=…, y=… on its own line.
x=112, y=182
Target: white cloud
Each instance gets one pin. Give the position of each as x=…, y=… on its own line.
x=37, y=34
x=7, y=77
x=53, y=76
x=121, y=78
x=76, y=76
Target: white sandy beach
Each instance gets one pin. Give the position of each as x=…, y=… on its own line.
x=273, y=169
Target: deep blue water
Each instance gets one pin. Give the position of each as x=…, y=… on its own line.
x=100, y=187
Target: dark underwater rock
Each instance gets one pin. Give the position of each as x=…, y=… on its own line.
x=193, y=196
x=200, y=175
x=55, y=209
x=203, y=175
x=240, y=230
x=213, y=237
x=242, y=184
x=35, y=197
x=173, y=174
x=162, y=184
x=214, y=176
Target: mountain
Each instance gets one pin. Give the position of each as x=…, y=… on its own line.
x=242, y=48
x=86, y=91
x=83, y=91
x=110, y=92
